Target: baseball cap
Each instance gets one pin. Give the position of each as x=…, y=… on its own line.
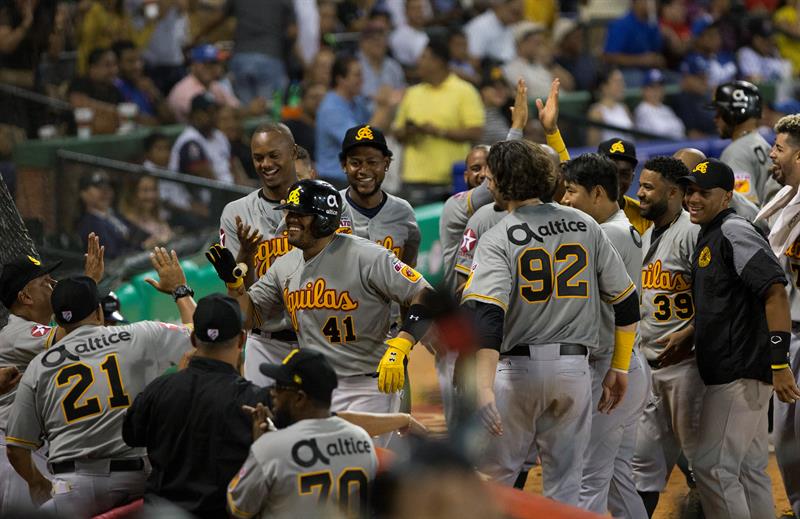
x=206, y=53
x=653, y=77
x=19, y=272
x=709, y=174
x=702, y=24
x=526, y=28
x=111, y=307
x=203, y=101
x=96, y=178
x=364, y=135
x=217, y=318
x=618, y=149
x=308, y=370
x=563, y=28
x=74, y=299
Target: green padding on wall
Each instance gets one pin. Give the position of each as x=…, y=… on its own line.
x=139, y=301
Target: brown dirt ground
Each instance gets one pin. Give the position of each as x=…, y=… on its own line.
x=427, y=408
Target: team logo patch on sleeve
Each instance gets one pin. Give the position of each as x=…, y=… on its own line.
x=40, y=330
x=406, y=271
x=468, y=241
x=705, y=257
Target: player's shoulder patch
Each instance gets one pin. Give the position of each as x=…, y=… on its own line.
x=406, y=271
x=40, y=330
x=468, y=241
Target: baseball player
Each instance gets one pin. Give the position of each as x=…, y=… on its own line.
x=623, y=154
x=535, y=274
x=25, y=289
x=738, y=111
x=670, y=420
x=74, y=396
x=337, y=290
x=314, y=462
x=607, y=482
x=784, y=240
x=274, y=153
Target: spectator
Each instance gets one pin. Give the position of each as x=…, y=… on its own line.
x=163, y=53
x=304, y=165
x=652, y=115
x=96, y=90
x=461, y=64
x=141, y=203
x=303, y=125
x=495, y=95
x=105, y=23
x=230, y=123
x=534, y=62
x=343, y=107
x=634, y=43
x=137, y=88
x=787, y=21
x=258, y=45
x=609, y=108
x=568, y=41
x=117, y=234
x=760, y=62
x=675, y=30
x=408, y=40
x=319, y=72
x=703, y=70
x=201, y=149
x=490, y=35
x=544, y=12
x=378, y=68
x=156, y=151
x=729, y=20
x=329, y=22
x=308, y=30
x=437, y=120
x=204, y=74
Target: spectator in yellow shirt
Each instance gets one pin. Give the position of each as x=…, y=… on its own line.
x=105, y=23
x=788, y=35
x=437, y=121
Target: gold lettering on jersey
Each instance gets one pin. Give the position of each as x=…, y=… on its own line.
x=794, y=250
x=316, y=295
x=388, y=243
x=655, y=278
x=268, y=251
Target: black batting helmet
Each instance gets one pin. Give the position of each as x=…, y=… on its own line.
x=737, y=102
x=318, y=198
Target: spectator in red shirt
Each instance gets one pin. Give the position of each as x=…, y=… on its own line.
x=204, y=73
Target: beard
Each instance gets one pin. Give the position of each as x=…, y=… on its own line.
x=656, y=210
x=282, y=418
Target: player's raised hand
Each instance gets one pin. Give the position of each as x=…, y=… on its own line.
x=9, y=378
x=677, y=346
x=224, y=263
x=614, y=386
x=785, y=386
x=487, y=410
x=95, y=265
x=249, y=240
x=168, y=268
x=519, y=112
x=548, y=113
x=262, y=419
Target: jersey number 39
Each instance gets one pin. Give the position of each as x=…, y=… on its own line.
x=83, y=374
x=536, y=266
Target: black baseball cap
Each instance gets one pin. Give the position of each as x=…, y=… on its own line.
x=111, y=308
x=709, y=174
x=307, y=370
x=618, y=149
x=74, y=299
x=217, y=318
x=96, y=178
x=203, y=101
x=364, y=135
x=19, y=272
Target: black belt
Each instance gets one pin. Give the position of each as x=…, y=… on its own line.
x=281, y=335
x=132, y=465
x=523, y=350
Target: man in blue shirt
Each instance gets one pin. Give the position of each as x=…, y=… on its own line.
x=634, y=43
x=343, y=107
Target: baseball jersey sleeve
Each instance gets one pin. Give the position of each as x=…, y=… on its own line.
x=614, y=282
x=24, y=427
x=227, y=231
x=162, y=342
x=248, y=490
x=490, y=278
x=478, y=197
x=753, y=260
x=394, y=279
x=266, y=296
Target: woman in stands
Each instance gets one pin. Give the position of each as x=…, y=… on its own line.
x=609, y=108
x=141, y=205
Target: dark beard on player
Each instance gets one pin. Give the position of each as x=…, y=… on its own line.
x=282, y=418
x=656, y=210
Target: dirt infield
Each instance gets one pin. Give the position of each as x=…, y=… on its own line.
x=427, y=406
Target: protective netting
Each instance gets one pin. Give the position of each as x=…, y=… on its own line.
x=14, y=238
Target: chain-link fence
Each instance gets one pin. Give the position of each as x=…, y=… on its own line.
x=13, y=235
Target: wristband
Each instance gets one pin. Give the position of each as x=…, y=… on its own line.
x=555, y=141
x=779, y=349
x=239, y=272
x=623, y=350
x=417, y=321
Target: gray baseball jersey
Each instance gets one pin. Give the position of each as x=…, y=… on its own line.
x=74, y=395
x=628, y=244
x=666, y=297
x=338, y=301
x=748, y=157
x=484, y=219
x=303, y=469
x=548, y=267
x=455, y=214
x=20, y=341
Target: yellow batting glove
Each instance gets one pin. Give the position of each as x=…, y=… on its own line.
x=391, y=368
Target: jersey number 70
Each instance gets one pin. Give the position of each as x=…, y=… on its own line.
x=536, y=266
x=73, y=409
